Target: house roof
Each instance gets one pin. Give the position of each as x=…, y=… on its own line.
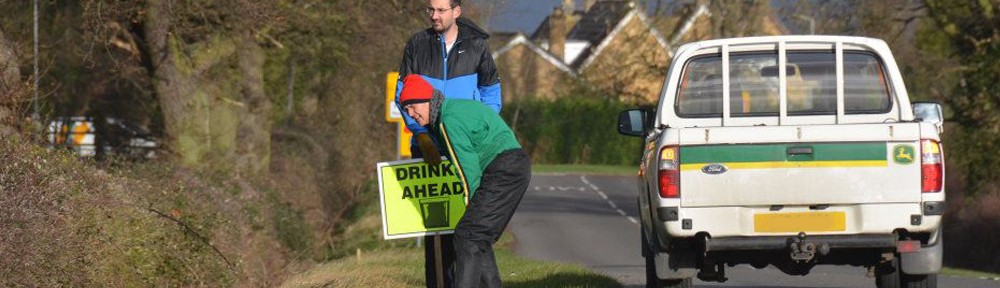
x=688, y=22
x=773, y=24
x=598, y=22
x=499, y=39
x=597, y=27
x=520, y=39
x=633, y=12
x=542, y=32
x=777, y=24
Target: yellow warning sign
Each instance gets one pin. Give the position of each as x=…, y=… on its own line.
x=392, y=113
x=418, y=199
x=405, y=138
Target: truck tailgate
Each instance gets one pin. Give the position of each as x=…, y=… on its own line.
x=800, y=165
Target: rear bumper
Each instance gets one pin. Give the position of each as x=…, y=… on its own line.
x=861, y=219
x=927, y=260
x=782, y=242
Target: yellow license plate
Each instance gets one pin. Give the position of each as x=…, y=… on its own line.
x=800, y=222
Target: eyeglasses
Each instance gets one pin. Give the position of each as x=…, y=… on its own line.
x=431, y=10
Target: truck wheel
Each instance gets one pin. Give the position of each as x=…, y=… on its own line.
x=653, y=281
x=919, y=281
x=889, y=275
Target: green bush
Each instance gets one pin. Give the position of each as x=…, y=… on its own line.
x=291, y=226
x=572, y=130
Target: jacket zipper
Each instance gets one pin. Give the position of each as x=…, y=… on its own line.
x=444, y=56
x=445, y=53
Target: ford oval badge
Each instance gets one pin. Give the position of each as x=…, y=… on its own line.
x=714, y=169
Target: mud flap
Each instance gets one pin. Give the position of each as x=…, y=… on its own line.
x=677, y=266
x=927, y=260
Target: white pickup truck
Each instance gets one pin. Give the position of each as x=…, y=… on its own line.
x=791, y=151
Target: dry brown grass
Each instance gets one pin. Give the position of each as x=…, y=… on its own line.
x=369, y=261
x=66, y=221
x=389, y=268
x=71, y=222
x=34, y=216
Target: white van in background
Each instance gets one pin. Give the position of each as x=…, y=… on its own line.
x=81, y=135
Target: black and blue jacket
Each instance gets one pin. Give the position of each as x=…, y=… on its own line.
x=466, y=72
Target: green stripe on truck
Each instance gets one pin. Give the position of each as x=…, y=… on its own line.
x=737, y=153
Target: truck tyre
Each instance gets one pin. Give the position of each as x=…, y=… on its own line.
x=889, y=275
x=919, y=281
x=653, y=281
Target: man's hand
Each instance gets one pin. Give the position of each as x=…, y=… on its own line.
x=428, y=149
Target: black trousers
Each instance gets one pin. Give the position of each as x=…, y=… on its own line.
x=500, y=191
x=509, y=172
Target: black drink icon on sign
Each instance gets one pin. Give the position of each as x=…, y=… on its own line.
x=434, y=212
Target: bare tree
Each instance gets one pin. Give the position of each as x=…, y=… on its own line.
x=210, y=121
x=738, y=18
x=10, y=85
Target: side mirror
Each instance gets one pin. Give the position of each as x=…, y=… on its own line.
x=929, y=112
x=633, y=122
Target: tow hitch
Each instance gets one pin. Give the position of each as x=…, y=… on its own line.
x=712, y=273
x=802, y=250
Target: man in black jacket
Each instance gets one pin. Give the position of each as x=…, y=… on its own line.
x=453, y=56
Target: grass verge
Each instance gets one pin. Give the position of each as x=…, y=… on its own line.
x=584, y=169
x=365, y=260
x=404, y=267
x=958, y=272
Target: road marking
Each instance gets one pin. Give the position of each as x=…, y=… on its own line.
x=606, y=199
x=561, y=188
x=603, y=196
x=632, y=219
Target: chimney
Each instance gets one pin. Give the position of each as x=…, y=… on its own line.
x=568, y=6
x=557, y=33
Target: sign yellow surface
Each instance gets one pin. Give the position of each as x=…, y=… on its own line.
x=392, y=113
x=418, y=199
x=405, y=136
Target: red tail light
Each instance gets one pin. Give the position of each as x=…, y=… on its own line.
x=908, y=246
x=931, y=166
x=670, y=173
x=670, y=183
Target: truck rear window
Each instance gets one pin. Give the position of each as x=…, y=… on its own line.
x=811, y=79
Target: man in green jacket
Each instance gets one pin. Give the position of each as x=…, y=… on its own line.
x=491, y=164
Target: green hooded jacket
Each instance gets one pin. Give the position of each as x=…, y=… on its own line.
x=473, y=135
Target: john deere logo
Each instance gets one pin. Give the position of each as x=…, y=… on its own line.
x=903, y=154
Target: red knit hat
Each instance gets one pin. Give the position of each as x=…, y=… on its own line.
x=415, y=90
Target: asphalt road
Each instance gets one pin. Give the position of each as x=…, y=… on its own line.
x=592, y=220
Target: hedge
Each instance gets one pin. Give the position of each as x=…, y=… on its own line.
x=572, y=131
